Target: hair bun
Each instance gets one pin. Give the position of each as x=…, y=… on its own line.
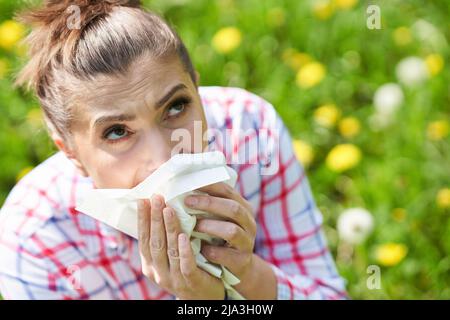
x=57, y=30
x=57, y=12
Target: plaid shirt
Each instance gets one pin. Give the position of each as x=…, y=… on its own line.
x=48, y=250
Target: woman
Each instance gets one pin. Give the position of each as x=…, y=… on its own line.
x=117, y=87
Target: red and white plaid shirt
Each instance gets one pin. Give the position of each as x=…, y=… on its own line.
x=48, y=250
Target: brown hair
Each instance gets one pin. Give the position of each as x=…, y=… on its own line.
x=109, y=37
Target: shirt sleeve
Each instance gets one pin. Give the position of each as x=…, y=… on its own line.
x=38, y=261
x=290, y=235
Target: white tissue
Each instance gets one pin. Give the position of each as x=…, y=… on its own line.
x=174, y=180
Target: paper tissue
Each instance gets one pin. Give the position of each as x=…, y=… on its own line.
x=174, y=180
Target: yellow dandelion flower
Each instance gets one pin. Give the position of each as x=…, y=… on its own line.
x=310, y=75
x=434, y=63
x=399, y=214
x=438, y=130
x=343, y=157
x=443, y=198
x=304, y=152
x=349, y=127
x=295, y=59
x=276, y=17
x=345, y=4
x=227, y=40
x=402, y=36
x=390, y=254
x=323, y=9
x=3, y=68
x=10, y=33
x=327, y=115
x=22, y=173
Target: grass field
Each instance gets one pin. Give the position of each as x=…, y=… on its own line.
x=382, y=150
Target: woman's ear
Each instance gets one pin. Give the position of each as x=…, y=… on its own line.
x=70, y=154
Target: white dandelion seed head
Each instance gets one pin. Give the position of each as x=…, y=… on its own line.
x=354, y=225
x=411, y=71
x=429, y=35
x=388, y=98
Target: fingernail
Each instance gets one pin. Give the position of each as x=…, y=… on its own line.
x=156, y=202
x=191, y=201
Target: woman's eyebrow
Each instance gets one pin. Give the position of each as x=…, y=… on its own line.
x=130, y=117
x=112, y=118
x=169, y=94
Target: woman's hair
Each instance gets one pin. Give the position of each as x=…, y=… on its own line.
x=73, y=41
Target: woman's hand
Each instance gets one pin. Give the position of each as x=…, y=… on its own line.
x=239, y=230
x=167, y=257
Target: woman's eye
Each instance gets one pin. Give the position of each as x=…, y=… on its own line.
x=177, y=108
x=116, y=133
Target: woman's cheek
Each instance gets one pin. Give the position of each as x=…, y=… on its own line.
x=192, y=142
x=115, y=171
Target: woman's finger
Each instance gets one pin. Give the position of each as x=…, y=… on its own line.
x=158, y=241
x=224, y=190
x=144, y=228
x=233, y=259
x=225, y=208
x=188, y=265
x=220, y=189
x=173, y=229
x=144, y=237
x=232, y=233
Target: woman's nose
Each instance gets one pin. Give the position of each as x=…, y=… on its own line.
x=155, y=151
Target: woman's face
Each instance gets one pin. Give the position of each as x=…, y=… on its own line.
x=122, y=131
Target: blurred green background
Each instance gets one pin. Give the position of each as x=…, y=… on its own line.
x=381, y=149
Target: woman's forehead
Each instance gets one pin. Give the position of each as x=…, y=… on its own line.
x=145, y=81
